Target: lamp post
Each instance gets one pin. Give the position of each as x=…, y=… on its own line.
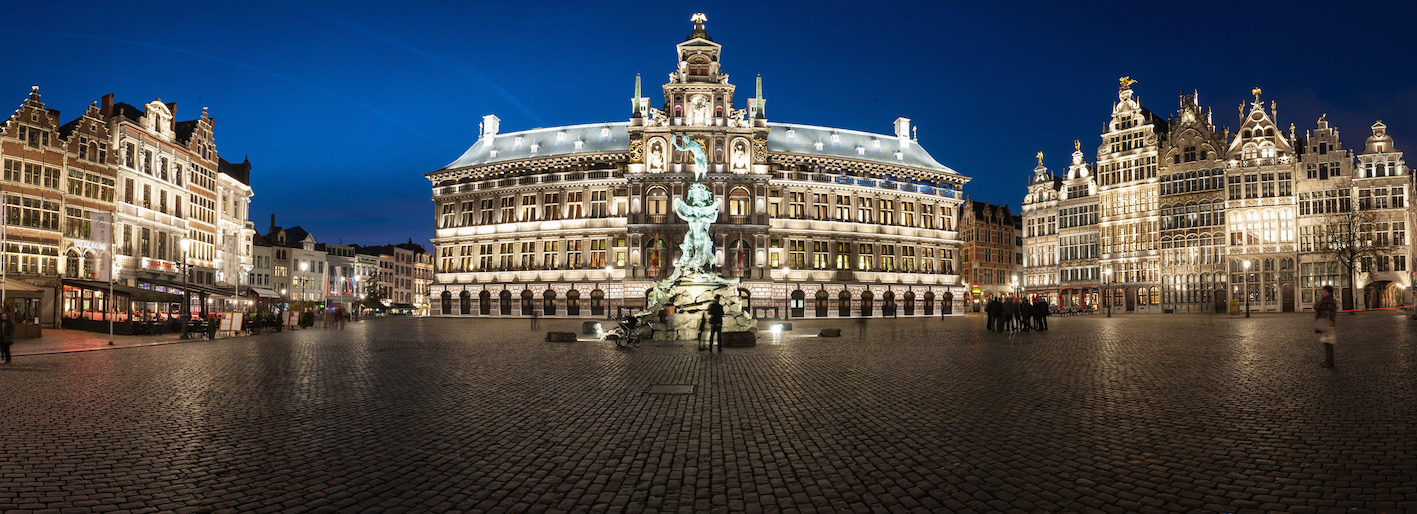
x=1107, y=293
x=304, y=266
x=787, y=294
x=1247, y=288
x=186, y=289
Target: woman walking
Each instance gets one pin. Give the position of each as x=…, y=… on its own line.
x=1325, y=314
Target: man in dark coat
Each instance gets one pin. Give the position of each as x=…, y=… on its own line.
x=990, y=314
x=1025, y=315
x=1040, y=313
x=1010, y=311
x=996, y=306
x=715, y=312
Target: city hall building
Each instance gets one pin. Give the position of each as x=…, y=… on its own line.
x=814, y=221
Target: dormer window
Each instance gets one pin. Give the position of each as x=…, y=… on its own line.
x=836, y=138
x=791, y=133
x=875, y=143
x=819, y=146
x=534, y=147
x=579, y=144
x=560, y=136
x=899, y=156
x=605, y=132
x=860, y=150
x=517, y=141
x=492, y=153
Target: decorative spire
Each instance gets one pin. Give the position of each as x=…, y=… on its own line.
x=635, y=101
x=759, y=102
x=699, y=32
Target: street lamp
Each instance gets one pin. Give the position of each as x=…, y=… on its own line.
x=304, y=266
x=1247, y=288
x=186, y=289
x=1107, y=293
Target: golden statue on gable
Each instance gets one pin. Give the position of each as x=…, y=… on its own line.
x=1126, y=82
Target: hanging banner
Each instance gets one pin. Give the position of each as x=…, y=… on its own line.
x=102, y=236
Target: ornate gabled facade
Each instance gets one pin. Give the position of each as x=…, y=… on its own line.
x=1129, y=221
x=577, y=220
x=1079, y=270
x=1382, y=186
x=1261, y=211
x=1192, y=202
x=1040, y=233
x=1249, y=216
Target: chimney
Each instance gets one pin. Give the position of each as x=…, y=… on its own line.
x=902, y=131
x=273, y=222
x=107, y=104
x=489, y=125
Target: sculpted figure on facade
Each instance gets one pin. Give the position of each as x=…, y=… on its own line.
x=699, y=111
x=740, y=155
x=656, y=156
x=697, y=150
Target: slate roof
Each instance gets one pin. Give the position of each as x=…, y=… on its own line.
x=239, y=171
x=594, y=138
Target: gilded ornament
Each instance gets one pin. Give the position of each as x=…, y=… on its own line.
x=760, y=149
x=637, y=150
x=1126, y=83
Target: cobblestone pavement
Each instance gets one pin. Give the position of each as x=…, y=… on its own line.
x=1130, y=414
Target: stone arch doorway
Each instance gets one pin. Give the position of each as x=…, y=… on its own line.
x=484, y=302
x=947, y=305
x=929, y=303
x=843, y=304
x=573, y=303
x=528, y=302
x=909, y=303
x=867, y=303
x=548, y=302
x=822, y=300
x=446, y=301
x=504, y=304
x=799, y=304
x=465, y=302
x=597, y=302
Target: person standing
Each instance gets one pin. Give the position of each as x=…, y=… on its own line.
x=1010, y=312
x=1325, y=314
x=991, y=314
x=715, y=312
x=1040, y=313
x=7, y=337
x=1025, y=314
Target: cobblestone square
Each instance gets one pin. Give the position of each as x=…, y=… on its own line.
x=1142, y=413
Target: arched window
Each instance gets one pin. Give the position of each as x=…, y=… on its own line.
x=739, y=203
x=446, y=301
x=740, y=254
x=821, y=306
x=504, y=303
x=484, y=302
x=867, y=300
x=658, y=202
x=528, y=302
x=929, y=303
x=548, y=302
x=71, y=264
x=799, y=303
x=843, y=304
x=888, y=303
x=910, y=303
x=597, y=302
x=465, y=302
x=573, y=303
x=657, y=253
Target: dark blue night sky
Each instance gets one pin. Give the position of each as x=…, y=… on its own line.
x=342, y=107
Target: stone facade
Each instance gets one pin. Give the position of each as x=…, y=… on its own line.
x=578, y=221
x=1195, y=220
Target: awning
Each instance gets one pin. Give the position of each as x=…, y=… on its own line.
x=265, y=293
x=136, y=293
x=19, y=289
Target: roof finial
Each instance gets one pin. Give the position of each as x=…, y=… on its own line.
x=1077, y=145
x=1126, y=83
x=1256, y=91
x=1040, y=158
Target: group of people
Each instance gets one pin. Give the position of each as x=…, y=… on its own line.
x=1017, y=314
